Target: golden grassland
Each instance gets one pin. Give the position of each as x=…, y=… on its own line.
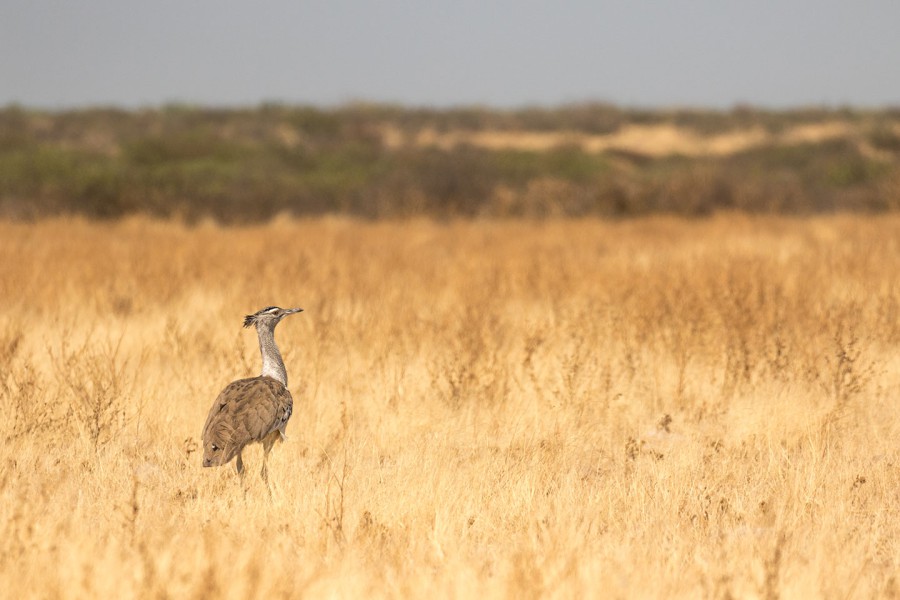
x=650, y=408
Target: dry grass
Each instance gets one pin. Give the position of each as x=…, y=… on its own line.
x=656, y=408
x=657, y=140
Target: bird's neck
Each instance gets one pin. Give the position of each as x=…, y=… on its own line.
x=272, y=365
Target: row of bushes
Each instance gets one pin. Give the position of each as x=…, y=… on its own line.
x=249, y=165
x=352, y=120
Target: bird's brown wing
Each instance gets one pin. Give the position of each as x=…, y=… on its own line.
x=224, y=404
x=247, y=410
x=270, y=410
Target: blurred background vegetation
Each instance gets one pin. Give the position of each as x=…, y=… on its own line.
x=373, y=161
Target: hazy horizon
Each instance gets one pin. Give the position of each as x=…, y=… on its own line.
x=699, y=54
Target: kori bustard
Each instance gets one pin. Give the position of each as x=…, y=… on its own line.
x=251, y=410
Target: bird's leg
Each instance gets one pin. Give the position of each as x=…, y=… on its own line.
x=267, y=446
x=239, y=465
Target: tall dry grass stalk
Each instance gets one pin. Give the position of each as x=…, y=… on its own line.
x=654, y=408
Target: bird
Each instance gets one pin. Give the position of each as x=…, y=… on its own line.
x=255, y=409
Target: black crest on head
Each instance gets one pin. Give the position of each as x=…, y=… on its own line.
x=251, y=319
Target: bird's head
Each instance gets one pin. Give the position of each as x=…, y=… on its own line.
x=269, y=317
x=217, y=449
x=212, y=455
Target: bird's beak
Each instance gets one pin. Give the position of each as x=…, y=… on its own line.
x=291, y=311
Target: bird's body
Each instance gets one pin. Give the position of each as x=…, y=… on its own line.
x=251, y=410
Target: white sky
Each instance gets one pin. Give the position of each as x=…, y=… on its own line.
x=711, y=53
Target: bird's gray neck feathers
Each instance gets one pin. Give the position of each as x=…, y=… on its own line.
x=272, y=366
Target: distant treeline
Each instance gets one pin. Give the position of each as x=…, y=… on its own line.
x=250, y=165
